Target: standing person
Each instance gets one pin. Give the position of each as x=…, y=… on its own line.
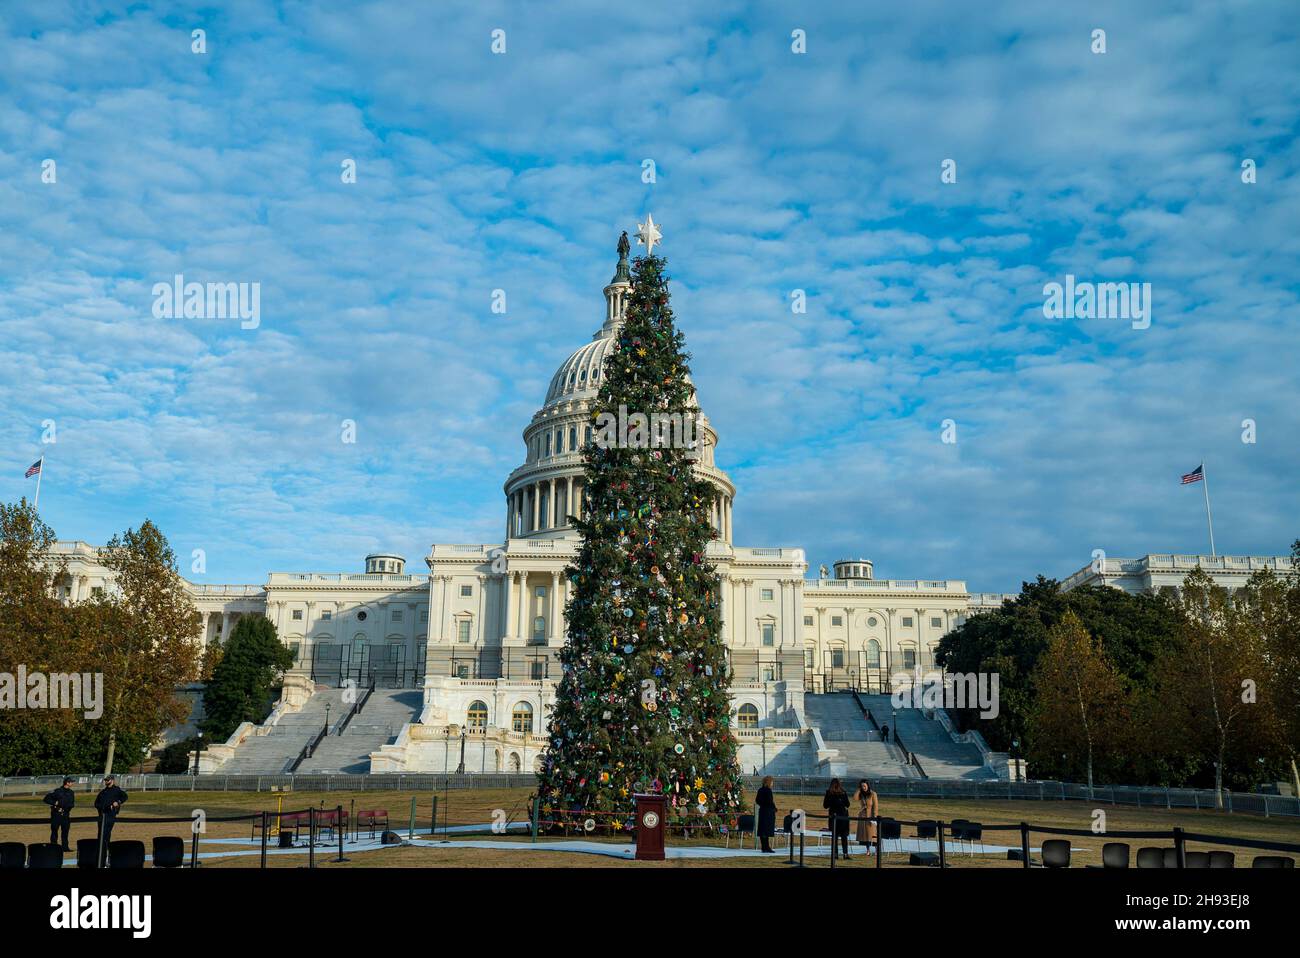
x=884, y=733
x=61, y=802
x=766, y=806
x=836, y=803
x=108, y=803
x=868, y=807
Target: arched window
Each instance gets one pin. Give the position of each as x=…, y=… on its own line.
x=573, y=438
x=521, y=719
x=514, y=762
x=873, y=654
x=477, y=715
x=748, y=716
x=539, y=629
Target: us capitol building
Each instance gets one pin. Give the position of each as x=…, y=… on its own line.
x=480, y=633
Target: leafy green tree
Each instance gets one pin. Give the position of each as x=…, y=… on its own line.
x=1206, y=687
x=1131, y=631
x=643, y=702
x=148, y=646
x=252, y=661
x=1080, y=704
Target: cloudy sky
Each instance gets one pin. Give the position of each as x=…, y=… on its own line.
x=776, y=171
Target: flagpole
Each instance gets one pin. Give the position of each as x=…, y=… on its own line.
x=39, y=473
x=1205, y=482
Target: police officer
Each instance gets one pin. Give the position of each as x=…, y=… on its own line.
x=61, y=801
x=108, y=803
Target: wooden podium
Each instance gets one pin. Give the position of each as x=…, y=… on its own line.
x=649, y=828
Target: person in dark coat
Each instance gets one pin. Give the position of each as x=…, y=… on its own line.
x=884, y=733
x=61, y=802
x=836, y=803
x=108, y=803
x=766, y=806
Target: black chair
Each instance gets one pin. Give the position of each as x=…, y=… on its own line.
x=1114, y=855
x=1151, y=857
x=44, y=855
x=1223, y=860
x=1171, y=857
x=168, y=851
x=1197, y=859
x=13, y=855
x=744, y=826
x=1272, y=861
x=957, y=831
x=973, y=834
x=927, y=828
x=126, y=853
x=1056, y=853
x=87, y=852
x=890, y=830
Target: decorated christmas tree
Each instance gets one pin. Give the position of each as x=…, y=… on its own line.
x=642, y=704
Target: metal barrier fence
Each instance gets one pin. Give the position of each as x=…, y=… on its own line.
x=1250, y=803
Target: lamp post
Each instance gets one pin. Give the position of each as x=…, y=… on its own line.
x=327, y=718
x=198, y=747
x=460, y=769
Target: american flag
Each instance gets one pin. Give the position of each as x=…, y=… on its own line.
x=34, y=469
x=1196, y=475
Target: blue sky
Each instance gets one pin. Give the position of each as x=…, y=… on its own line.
x=776, y=171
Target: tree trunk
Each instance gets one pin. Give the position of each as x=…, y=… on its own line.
x=1218, y=782
x=1090, y=771
x=112, y=747
x=1295, y=777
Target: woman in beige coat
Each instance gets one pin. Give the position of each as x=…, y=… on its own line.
x=868, y=806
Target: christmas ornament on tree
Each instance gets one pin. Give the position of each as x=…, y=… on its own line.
x=642, y=703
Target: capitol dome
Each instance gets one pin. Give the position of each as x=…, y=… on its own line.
x=543, y=492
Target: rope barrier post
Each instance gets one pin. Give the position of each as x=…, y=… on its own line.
x=311, y=837
x=194, y=849
x=338, y=828
x=801, y=849
x=265, y=826
x=941, y=858
x=789, y=841
x=352, y=818
x=99, y=854
x=880, y=842
x=834, y=838
x=1180, y=847
x=433, y=822
x=410, y=828
x=537, y=815
x=1024, y=843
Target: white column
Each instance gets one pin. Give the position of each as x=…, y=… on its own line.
x=523, y=605
x=551, y=521
x=537, y=503
x=551, y=631
x=507, y=599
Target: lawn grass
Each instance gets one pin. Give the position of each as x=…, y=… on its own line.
x=476, y=807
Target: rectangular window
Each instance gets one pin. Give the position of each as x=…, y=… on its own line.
x=293, y=650
x=837, y=658
x=541, y=592
x=462, y=630
x=297, y=615
x=96, y=591
x=769, y=633
x=466, y=591
x=424, y=616
x=837, y=620
x=397, y=615
x=538, y=671
x=809, y=659
x=807, y=620
x=909, y=658
x=766, y=595
x=769, y=673
x=462, y=671
x=327, y=614
x=907, y=621
x=936, y=623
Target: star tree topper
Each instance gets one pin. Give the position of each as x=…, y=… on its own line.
x=647, y=234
